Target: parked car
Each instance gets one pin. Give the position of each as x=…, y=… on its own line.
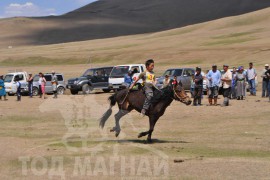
x=10, y=84
x=48, y=87
x=118, y=73
x=183, y=75
x=94, y=78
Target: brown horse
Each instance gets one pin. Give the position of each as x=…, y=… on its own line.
x=129, y=100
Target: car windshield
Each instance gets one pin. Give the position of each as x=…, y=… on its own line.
x=173, y=72
x=120, y=70
x=88, y=72
x=36, y=78
x=8, y=78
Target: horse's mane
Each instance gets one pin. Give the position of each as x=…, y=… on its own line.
x=164, y=93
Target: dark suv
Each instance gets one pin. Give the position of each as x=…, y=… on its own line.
x=94, y=78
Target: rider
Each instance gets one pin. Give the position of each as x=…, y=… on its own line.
x=148, y=78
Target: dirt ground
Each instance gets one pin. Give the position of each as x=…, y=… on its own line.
x=49, y=138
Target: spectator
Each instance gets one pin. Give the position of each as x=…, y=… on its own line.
x=268, y=76
x=240, y=81
x=265, y=82
x=128, y=79
x=175, y=80
x=251, y=75
x=54, y=84
x=2, y=89
x=135, y=70
x=166, y=81
x=233, y=87
x=43, y=84
x=30, y=85
x=39, y=85
x=192, y=86
x=213, y=77
x=226, y=84
x=198, y=80
x=18, y=86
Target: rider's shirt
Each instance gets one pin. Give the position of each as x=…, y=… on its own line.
x=148, y=78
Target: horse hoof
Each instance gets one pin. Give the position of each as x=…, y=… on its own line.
x=117, y=134
x=140, y=135
x=113, y=129
x=149, y=141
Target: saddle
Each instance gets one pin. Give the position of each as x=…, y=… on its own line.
x=157, y=96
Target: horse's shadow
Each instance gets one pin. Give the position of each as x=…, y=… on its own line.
x=143, y=141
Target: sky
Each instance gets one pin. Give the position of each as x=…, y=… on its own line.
x=13, y=8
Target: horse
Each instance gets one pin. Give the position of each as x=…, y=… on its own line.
x=129, y=100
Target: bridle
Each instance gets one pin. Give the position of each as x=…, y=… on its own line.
x=177, y=96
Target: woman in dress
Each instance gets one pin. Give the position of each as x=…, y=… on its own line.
x=2, y=89
x=240, y=80
x=43, y=84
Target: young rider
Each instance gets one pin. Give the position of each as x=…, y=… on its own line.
x=148, y=78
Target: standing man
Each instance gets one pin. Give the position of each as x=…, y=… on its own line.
x=233, y=90
x=30, y=85
x=268, y=76
x=251, y=75
x=265, y=82
x=226, y=79
x=54, y=84
x=198, y=80
x=213, y=77
x=18, y=85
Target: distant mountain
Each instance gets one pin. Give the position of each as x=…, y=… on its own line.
x=111, y=18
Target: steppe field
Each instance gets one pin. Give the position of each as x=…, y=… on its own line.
x=61, y=138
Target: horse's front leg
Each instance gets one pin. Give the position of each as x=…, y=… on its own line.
x=152, y=123
x=143, y=134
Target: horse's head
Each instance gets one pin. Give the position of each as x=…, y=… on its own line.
x=179, y=93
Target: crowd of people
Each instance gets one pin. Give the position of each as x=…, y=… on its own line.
x=232, y=84
x=42, y=83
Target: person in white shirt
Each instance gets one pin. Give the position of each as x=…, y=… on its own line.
x=226, y=79
x=251, y=75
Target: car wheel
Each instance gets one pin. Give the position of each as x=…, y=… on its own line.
x=106, y=90
x=35, y=91
x=87, y=89
x=60, y=90
x=73, y=92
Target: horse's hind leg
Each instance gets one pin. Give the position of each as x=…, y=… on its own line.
x=118, y=116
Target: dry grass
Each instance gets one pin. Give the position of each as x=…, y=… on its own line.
x=234, y=40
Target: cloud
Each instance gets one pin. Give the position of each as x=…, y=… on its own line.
x=27, y=9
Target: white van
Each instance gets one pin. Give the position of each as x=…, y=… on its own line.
x=118, y=73
x=10, y=84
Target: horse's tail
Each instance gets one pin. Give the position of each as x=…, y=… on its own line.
x=108, y=113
